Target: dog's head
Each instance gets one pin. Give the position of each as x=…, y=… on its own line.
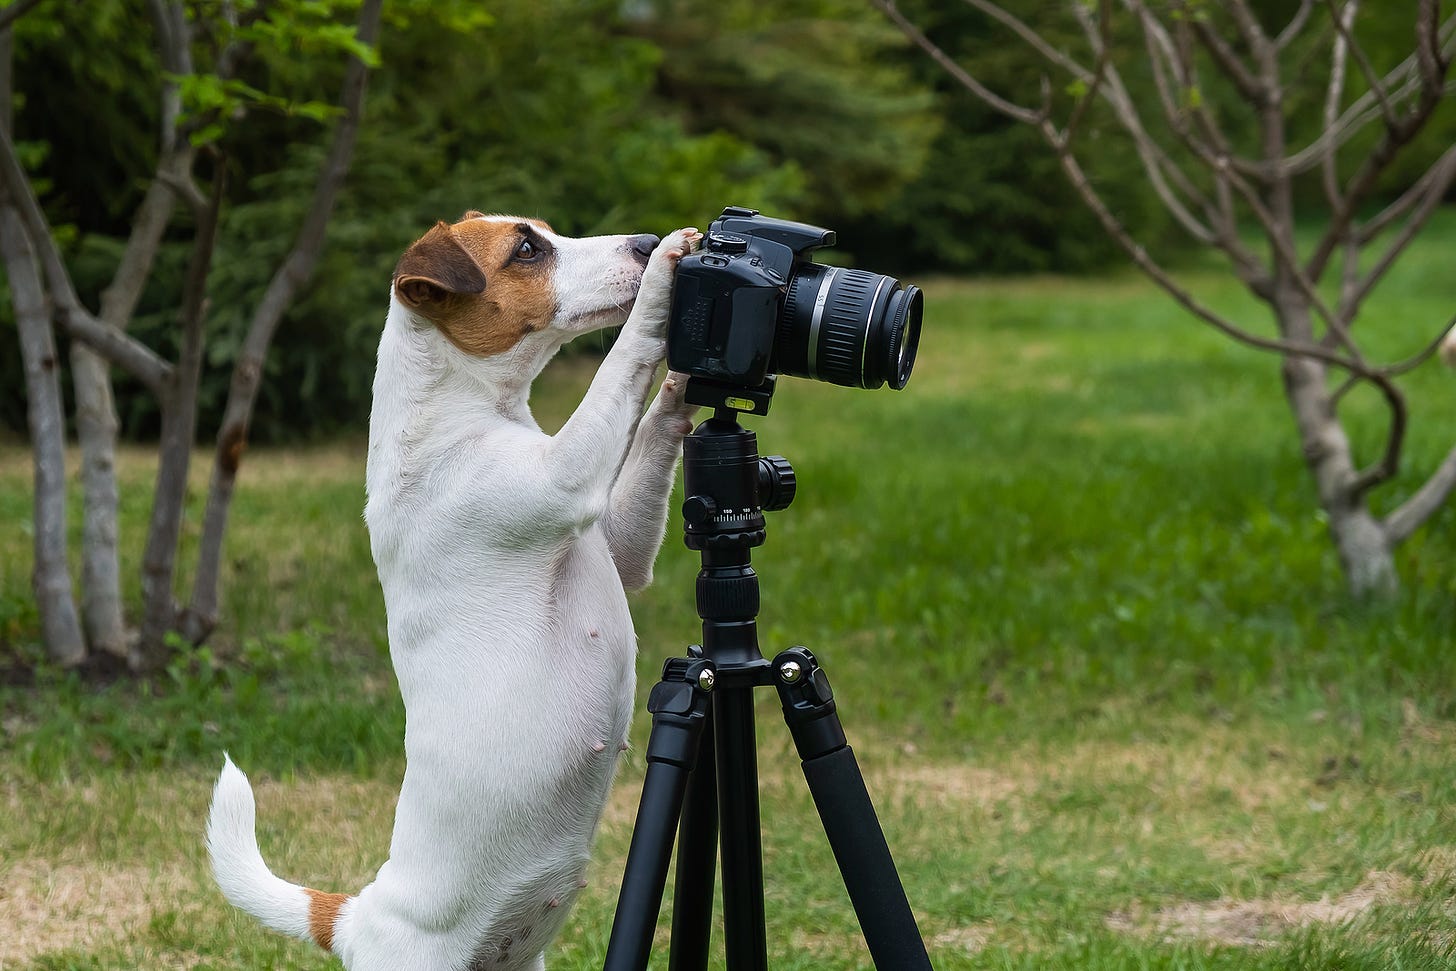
x=490, y=282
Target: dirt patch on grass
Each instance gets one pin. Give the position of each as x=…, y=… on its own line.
x=1258, y=923
x=48, y=906
x=947, y=784
x=971, y=939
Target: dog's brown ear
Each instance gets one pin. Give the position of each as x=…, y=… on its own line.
x=436, y=268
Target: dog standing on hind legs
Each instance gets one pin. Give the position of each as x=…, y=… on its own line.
x=503, y=554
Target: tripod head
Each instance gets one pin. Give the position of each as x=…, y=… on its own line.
x=729, y=487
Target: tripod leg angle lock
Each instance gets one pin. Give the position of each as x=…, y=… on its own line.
x=702, y=772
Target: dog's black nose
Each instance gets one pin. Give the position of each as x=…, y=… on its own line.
x=643, y=245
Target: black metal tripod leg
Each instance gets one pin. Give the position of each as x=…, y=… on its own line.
x=848, y=815
x=679, y=710
x=744, y=944
x=697, y=859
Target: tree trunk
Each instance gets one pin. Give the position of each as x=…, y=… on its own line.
x=55, y=598
x=96, y=426
x=1366, y=550
x=199, y=619
x=60, y=626
x=179, y=428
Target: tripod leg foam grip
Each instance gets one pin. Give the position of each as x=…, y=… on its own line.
x=864, y=861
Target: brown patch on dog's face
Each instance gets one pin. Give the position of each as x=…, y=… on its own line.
x=323, y=910
x=484, y=281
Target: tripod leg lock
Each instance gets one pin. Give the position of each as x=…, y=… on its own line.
x=679, y=705
x=808, y=703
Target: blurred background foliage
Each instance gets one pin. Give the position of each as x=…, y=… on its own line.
x=598, y=115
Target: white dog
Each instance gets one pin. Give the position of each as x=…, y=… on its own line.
x=503, y=554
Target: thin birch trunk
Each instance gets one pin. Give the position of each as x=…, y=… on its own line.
x=96, y=427
x=60, y=625
x=102, y=607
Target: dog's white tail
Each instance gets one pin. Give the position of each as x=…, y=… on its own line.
x=245, y=879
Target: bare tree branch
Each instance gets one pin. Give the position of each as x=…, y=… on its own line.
x=1424, y=354
x=1440, y=178
x=1214, y=155
x=1395, y=138
x=126, y=352
x=171, y=180
x=1384, y=469
x=1406, y=518
x=987, y=96
x=1229, y=62
x=1344, y=25
x=1400, y=82
x=1249, y=26
x=1161, y=277
x=1428, y=46
x=1032, y=39
x=1102, y=46
x=1169, y=181
x=1417, y=191
x=1295, y=25
x=1334, y=93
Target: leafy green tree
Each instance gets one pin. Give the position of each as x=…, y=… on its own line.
x=198, y=73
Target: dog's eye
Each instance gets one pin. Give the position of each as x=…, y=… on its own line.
x=527, y=250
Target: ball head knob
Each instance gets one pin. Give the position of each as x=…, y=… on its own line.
x=776, y=482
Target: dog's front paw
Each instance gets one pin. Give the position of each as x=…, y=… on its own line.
x=656, y=290
x=670, y=409
x=676, y=246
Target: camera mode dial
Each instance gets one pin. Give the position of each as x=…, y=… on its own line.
x=726, y=243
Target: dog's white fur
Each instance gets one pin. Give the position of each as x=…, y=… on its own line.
x=503, y=554
x=1448, y=348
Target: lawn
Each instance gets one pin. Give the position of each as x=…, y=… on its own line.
x=1085, y=628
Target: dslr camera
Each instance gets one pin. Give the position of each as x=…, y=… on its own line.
x=752, y=304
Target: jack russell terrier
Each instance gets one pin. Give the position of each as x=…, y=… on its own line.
x=504, y=554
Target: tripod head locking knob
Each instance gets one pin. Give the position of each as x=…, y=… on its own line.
x=699, y=510
x=776, y=482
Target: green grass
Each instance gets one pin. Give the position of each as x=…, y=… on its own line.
x=1086, y=630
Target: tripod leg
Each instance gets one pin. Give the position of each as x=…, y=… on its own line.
x=697, y=862
x=849, y=817
x=679, y=711
x=743, y=916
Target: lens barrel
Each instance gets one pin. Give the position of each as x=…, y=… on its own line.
x=848, y=327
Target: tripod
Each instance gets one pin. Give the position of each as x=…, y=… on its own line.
x=702, y=771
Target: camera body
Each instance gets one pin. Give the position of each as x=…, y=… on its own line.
x=727, y=300
x=751, y=304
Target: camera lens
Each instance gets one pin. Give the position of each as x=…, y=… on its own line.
x=848, y=327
